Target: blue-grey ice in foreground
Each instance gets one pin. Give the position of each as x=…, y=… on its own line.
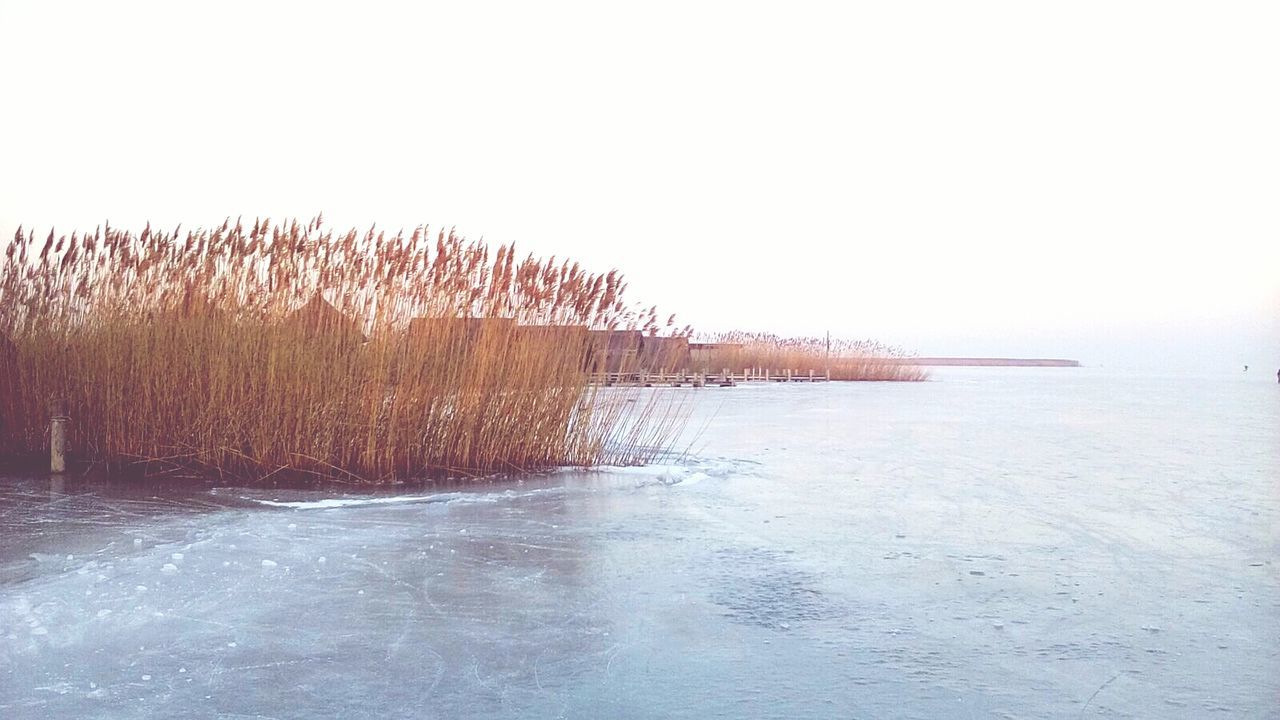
x=995, y=543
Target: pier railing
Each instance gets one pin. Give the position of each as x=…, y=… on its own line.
x=724, y=378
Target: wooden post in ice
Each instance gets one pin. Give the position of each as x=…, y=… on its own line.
x=58, y=437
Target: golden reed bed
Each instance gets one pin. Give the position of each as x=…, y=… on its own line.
x=287, y=349
x=832, y=358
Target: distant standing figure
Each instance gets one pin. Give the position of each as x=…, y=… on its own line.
x=1246, y=368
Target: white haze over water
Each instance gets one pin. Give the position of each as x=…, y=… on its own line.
x=1093, y=180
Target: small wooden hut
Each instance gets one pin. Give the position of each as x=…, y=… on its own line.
x=664, y=354
x=616, y=350
x=573, y=338
x=633, y=351
x=458, y=331
x=707, y=356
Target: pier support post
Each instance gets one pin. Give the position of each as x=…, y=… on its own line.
x=58, y=437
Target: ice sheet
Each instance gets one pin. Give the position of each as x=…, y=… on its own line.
x=1032, y=544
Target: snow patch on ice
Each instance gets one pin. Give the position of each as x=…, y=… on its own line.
x=661, y=474
x=643, y=470
x=693, y=471
x=344, y=502
x=45, y=557
x=350, y=501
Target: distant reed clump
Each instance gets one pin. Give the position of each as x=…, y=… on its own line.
x=836, y=359
x=285, y=350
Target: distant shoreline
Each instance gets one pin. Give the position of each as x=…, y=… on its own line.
x=985, y=362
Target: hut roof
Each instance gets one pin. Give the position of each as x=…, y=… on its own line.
x=552, y=329
x=318, y=317
x=619, y=340
x=558, y=333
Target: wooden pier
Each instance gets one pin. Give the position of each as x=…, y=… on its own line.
x=724, y=378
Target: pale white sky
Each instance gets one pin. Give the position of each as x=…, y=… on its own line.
x=1098, y=180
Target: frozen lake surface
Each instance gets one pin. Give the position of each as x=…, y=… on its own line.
x=1021, y=543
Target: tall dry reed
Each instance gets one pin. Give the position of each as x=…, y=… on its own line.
x=287, y=349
